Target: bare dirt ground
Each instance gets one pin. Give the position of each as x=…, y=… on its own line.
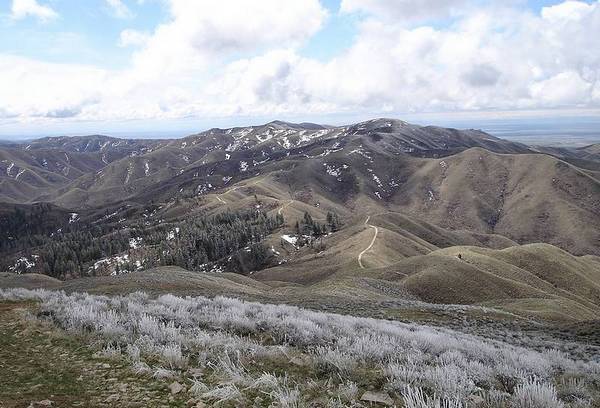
x=42, y=366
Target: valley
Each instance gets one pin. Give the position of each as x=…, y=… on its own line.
x=413, y=206
x=449, y=229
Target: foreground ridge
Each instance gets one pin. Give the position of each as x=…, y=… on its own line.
x=227, y=351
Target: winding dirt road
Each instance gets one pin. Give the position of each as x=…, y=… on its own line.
x=371, y=244
x=232, y=189
x=284, y=206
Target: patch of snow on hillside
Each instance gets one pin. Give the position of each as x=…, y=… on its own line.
x=431, y=195
x=19, y=173
x=362, y=152
x=242, y=133
x=23, y=263
x=171, y=234
x=377, y=180
x=232, y=147
x=146, y=168
x=9, y=169
x=113, y=263
x=268, y=135
x=107, y=216
x=203, y=188
x=135, y=243
x=243, y=166
x=290, y=239
x=333, y=171
x=227, y=156
x=256, y=163
x=304, y=138
x=74, y=218
x=285, y=143
x=227, y=179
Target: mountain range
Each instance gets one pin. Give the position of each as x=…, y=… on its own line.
x=382, y=210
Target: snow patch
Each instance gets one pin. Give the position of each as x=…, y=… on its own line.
x=332, y=171
x=135, y=243
x=171, y=234
x=290, y=239
x=362, y=152
x=23, y=263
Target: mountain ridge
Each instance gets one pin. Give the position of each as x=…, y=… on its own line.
x=426, y=193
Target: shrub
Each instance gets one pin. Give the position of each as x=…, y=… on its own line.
x=223, y=332
x=416, y=398
x=534, y=394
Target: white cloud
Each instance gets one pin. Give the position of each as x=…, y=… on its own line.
x=119, y=8
x=25, y=8
x=494, y=59
x=563, y=89
x=130, y=37
x=403, y=10
x=32, y=89
x=200, y=31
x=236, y=57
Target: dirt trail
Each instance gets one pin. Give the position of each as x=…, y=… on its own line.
x=231, y=190
x=371, y=244
x=284, y=206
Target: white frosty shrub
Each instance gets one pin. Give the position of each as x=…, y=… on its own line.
x=110, y=351
x=535, y=394
x=446, y=362
x=139, y=367
x=416, y=398
x=198, y=388
x=163, y=373
x=334, y=360
x=574, y=389
x=224, y=393
x=133, y=352
x=348, y=391
x=171, y=355
x=232, y=370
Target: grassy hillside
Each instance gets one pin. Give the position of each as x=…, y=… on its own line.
x=531, y=280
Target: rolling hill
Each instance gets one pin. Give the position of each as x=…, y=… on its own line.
x=525, y=220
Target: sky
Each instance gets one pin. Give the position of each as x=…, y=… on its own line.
x=155, y=67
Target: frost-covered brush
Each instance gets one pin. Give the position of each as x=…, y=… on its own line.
x=225, y=334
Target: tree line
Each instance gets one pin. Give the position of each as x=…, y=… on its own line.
x=192, y=243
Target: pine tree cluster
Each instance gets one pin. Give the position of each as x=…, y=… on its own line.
x=232, y=238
